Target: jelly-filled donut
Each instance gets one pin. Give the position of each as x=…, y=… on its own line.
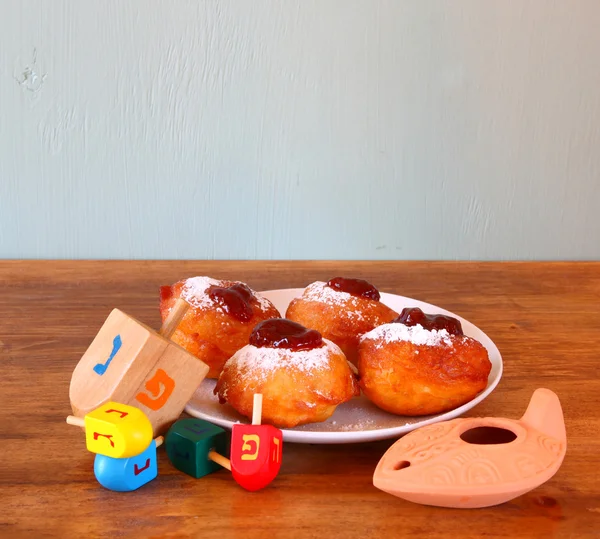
x=220, y=319
x=421, y=364
x=341, y=310
x=301, y=376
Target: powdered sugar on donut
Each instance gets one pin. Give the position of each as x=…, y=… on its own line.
x=265, y=304
x=319, y=291
x=195, y=292
x=254, y=362
x=418, y=335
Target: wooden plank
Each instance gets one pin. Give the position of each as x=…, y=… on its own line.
x=544, y=317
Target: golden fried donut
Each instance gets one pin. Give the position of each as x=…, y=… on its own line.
x=341, y=310
x=301, y=376
x=220, y=319
x=410, y=370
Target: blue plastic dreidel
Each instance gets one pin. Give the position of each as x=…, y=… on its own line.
x=197, y=447
x=125, y=475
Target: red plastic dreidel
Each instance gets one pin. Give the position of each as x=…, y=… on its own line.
x=256, y=451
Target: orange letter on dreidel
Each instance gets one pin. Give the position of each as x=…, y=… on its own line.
x=154, y=387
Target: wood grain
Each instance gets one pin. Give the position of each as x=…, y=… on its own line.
x=544, y=317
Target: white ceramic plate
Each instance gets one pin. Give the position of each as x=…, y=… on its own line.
x=358, y=420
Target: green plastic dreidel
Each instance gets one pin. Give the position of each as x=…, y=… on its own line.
x=197, y=447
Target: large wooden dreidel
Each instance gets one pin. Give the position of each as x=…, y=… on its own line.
x=121, y=437
x=130, y=363
x=256, y=451
x=197, y=447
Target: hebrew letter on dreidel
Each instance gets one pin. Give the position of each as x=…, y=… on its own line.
x=196, y=429
x=248, y=439
x=179, y=455
x=159, y=398
x=138, y=471
x=107, y=436
x=123, y=414
x=276, y=450
x=100, y=368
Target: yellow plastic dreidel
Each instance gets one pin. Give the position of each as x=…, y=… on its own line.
x=115, y=430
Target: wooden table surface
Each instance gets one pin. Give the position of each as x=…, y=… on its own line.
x=544, y=317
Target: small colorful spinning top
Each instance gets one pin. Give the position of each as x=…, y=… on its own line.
x=115, y=430
x=125, y=475
x=256, y=451
x=198, y=448
x=121, y=437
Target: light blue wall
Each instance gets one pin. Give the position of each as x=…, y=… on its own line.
x=300, y=129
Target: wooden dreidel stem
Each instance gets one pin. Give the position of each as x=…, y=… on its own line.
x=197, y=447
x=177, y=313
x=219, y=459
x=256, y=451
x=257, y=409
x=115, y=430
x=127, y=474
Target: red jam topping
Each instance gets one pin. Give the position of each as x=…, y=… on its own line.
x=235, y=300
x=165, y=293
x=413, y=316
x=354, y=287
x=282, y=333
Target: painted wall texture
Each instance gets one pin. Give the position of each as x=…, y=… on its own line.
x=398, y=129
